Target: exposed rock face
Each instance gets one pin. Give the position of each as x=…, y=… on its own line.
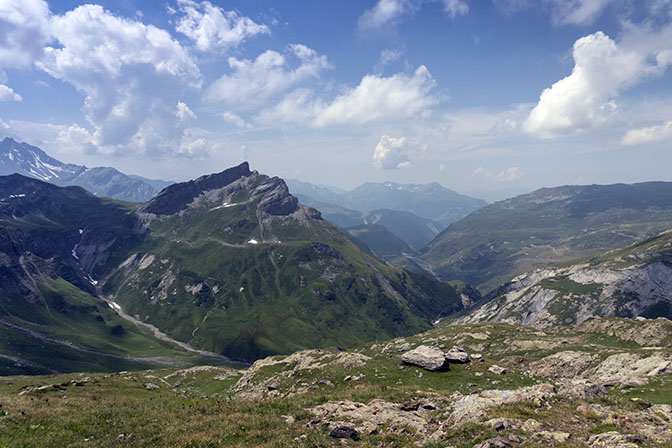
x=613, y=439
x=629, y=369
x=430, y=358
x=177, y=197
x=575, y=294
x=567, y=364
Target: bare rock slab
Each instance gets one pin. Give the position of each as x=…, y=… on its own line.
x=429, y=358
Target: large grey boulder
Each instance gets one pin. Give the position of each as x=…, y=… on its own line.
x=430, y=358
x=457, y=356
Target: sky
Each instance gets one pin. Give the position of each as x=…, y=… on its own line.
x=490, y=98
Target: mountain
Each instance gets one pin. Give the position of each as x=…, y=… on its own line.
x=417, y=232
x=429, y=201
x=229, y=263
x=550, y=225
x=603, y=383
x=630, y=282
x=234, y=264
x=31, y=161
x=379, y=240
x=54, y=243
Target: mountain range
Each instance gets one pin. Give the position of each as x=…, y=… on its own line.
x=31, y=161
x=415, y=213
x=229, y=263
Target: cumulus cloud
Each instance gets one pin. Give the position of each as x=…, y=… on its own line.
x=391, y=153
x=576, y=12
x=507, y=175
x=650, y=134
x=254, y=82
x=133, y=76
x=376, y=98
x=602, y=70
x=23, y=32
x=381, y=98
x=7, y=94
x=212, y=28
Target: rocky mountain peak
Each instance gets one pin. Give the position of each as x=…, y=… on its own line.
x=175, y=198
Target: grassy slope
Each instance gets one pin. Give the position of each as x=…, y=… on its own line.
x=72, y=331
x=117, y=410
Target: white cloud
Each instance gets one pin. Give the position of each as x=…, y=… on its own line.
x=381, y=98
x=384, y=12
x=602, y=70
x=455, y=7
x=507, y=175
x=237, y=120
x=212, y=28
x=23, y=32
x=576, y=12
x=56, y=139
x=133, y=76
x=388, y=56
x=254, y=82
x=650, y=134
x=7, y=94
x=391, y=153
x=387, y=12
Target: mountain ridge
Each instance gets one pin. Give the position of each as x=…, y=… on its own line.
x=32, y=161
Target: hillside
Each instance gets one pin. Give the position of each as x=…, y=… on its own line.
x=629, y=282
x=31, y=161
x=605, y=383
x=54, y=243
x=498, y=242
x=232, y=263
x=379, y=240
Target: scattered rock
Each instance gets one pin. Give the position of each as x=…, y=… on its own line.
x=344, y=432
x=581, y=389
x=430, y=358
x=151, y=386
x=497, y=370
x=495, y=442
x=410, y=406
x=555, y=436
x=477, y=357
x=613, y=439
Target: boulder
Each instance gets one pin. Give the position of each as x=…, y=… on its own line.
x=497, y=370
x=344, y=432
x=612, y=439
x=457, y=355
x=429, y=358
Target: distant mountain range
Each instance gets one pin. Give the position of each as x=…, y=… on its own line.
x=414, y=213
x=230, y=263
x=31, y=161
x=508, y=238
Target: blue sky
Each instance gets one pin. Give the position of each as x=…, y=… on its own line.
x=488, y=97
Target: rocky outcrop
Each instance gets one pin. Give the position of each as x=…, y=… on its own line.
x=567, y=364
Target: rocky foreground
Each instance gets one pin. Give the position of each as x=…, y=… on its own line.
x=604, y=383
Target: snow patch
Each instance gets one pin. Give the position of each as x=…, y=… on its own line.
x=114, y=306
x=253, y=241
x=74, y=254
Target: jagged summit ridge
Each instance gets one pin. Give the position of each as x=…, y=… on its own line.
x=177, y=197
